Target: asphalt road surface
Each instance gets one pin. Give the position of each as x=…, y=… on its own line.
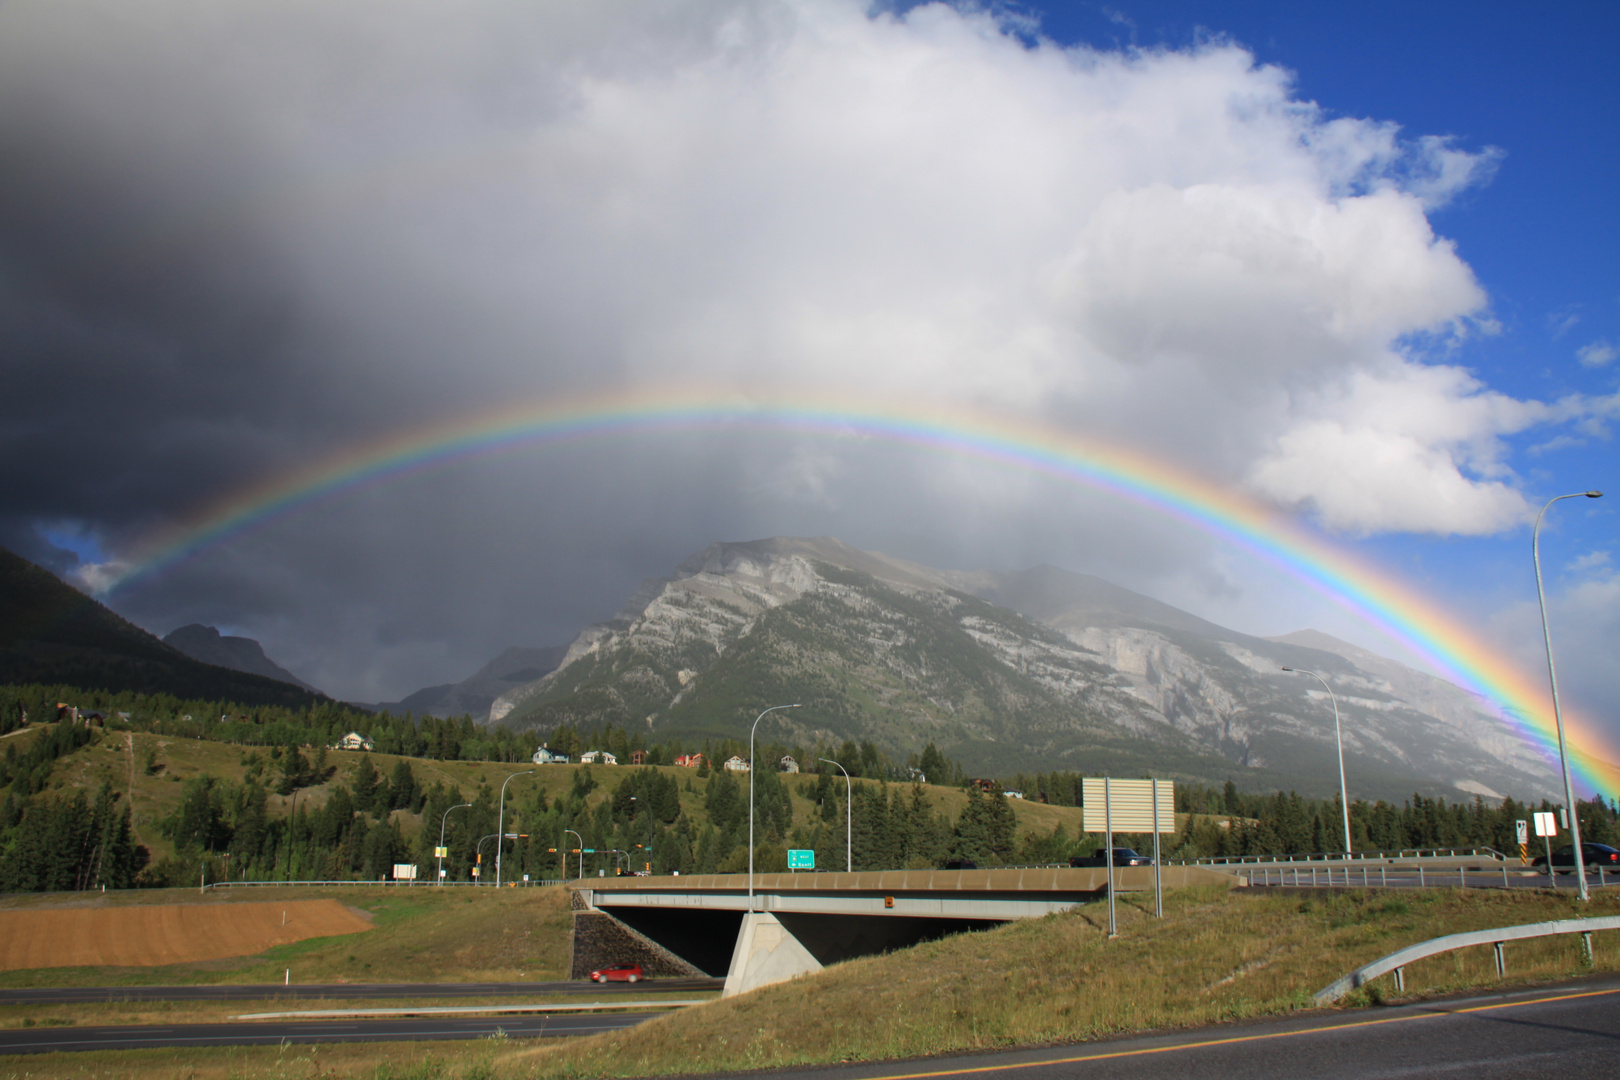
x=273, y=991
x=1570, y=1032
x=260, y=1033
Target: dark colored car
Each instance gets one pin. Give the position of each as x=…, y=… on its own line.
x=1594, y=855
x=618, y=973
x=1123, y=856
x=961, y=864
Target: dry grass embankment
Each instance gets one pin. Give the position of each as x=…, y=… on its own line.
x=1217, y=956
x=423, y=934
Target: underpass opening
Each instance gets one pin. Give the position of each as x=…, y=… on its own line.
x=703, y=938
x=832, y=938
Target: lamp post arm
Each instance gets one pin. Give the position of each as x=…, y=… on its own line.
x=751, y=732
x=500, y=828
x=442, y=818
x=1552, y=677
x=849, y=817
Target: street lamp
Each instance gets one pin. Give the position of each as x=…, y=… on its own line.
x=479, y=851
x=442, y=816
x=500, y=825
x=751, y=731
x=1338, y=737
x=581, y=840
x=849, y=815
x=1558, y=716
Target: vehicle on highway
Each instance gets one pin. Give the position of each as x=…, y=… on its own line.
x=618, y=973
x=1594, y=855
x=1123, y=856
x=961, y=864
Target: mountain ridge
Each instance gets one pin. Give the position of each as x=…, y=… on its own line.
x=1026, y=669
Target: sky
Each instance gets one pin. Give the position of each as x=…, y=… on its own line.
x=1353, y=261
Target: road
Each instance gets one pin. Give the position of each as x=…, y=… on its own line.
x=1570, y=1032
x=273, y=1033
x=272, y=991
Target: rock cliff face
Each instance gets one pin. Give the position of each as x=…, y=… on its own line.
x=1038, y=669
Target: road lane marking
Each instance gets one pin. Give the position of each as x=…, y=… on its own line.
x=1428, y=1014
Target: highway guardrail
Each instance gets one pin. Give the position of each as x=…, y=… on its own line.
x=1396, y=961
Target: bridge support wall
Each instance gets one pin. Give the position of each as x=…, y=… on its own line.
x=766, y=953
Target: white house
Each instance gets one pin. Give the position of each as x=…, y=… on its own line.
x=543, y=756
x=592, y=757
x=736, y=764
x=354, y=741
x=788, y=764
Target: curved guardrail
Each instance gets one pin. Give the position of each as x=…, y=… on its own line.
x=1397, y=961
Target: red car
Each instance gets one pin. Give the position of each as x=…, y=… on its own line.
x=618, y=973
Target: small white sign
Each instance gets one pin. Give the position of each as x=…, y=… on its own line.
x=1523, y=828
x=1546, y=824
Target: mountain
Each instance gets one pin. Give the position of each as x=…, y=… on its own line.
x=1035, y=669
x=51, y=633
x=475, y=694
x=207, y=644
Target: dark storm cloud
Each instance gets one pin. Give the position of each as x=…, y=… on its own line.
x=237, y=239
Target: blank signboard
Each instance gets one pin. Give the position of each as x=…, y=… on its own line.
x=1132, y=805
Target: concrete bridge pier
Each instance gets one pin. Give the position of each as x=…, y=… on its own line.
x=766, y=952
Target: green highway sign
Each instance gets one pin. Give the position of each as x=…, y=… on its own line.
x=800, y=859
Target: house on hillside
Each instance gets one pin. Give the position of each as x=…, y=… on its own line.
x=594, y=757
x=690, y=761
x=982, y=784
x=1012, y=793
x=544, y=756
x=638, y=757
x=788, y=764
x=354, y=741
x=735, y=764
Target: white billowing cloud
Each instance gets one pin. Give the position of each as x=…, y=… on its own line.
x=1597, y=354
x=1416, y=448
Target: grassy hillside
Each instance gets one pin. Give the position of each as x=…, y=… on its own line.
x=156, y=775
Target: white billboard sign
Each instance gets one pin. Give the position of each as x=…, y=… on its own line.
x=1546, y=824
x=404, y=871
x=1131, y=805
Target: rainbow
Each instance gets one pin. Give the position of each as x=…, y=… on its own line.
x=1391, y=607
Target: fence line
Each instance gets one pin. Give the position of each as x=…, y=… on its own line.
x=427, y=884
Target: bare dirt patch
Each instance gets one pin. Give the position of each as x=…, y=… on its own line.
x=147, y=936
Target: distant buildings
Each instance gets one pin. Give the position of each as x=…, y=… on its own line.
x=690, y=761
x=354, y=741
x=595, y=757
x=735, y=764
x=788, y=764
x=544, y=756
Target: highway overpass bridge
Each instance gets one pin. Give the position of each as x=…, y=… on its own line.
x=798, y=923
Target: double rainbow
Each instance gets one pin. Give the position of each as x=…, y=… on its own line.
x=1393, y=608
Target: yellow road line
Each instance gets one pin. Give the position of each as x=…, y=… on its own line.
x=1426, y=1015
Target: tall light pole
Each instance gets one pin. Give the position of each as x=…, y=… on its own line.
x=581, y=840
x=442, y=816
x=500, y=826
x=1552, y=677
x=1338, y=737
x=751, y=731
x=849, y=814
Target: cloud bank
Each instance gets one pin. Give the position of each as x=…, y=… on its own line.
x=239, y=238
